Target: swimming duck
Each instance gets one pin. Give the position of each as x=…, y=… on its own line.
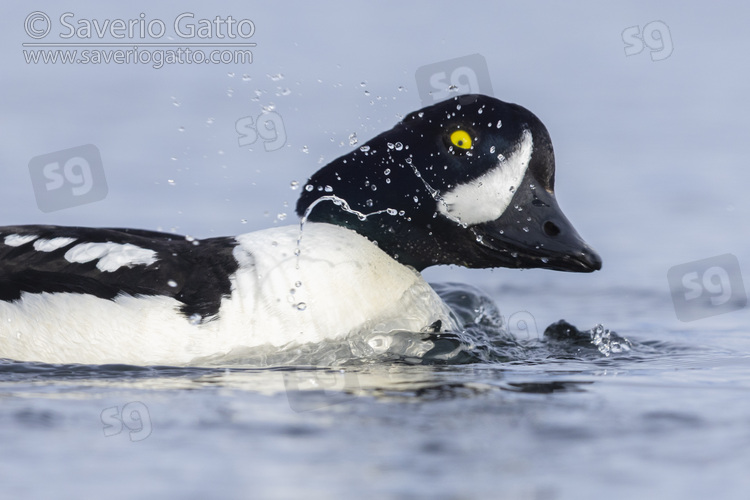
x=468, y=181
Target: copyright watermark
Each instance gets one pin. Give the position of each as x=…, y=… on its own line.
x=462, y=75
x=268, y=126
x=68, y=178
x=655, y=36
x=522, y=325
x=314, y=388
x=707, y=287
x=185, y=39
x=133, y=416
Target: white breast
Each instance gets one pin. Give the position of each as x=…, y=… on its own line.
x=339, y=285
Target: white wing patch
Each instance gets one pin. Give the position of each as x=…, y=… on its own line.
x=16, y=240
x=111, y=256
x=43, y=245
x=485, y=198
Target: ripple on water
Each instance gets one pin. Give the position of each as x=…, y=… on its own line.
x=486, y=337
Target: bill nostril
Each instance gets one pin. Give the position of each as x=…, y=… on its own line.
x=551, y=229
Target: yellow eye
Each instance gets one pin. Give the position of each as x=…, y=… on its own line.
x=461, y=138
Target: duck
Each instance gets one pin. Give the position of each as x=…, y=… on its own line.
x=468, y=181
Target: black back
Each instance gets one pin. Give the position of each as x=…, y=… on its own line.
x=196, y=273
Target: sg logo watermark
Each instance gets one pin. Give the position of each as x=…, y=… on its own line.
x=68, y=178
x=522, y=324
x=463, y=75
x=707, y=287
x=655, y=36
x=268, y=126
x=134, y=416
x=311, y=389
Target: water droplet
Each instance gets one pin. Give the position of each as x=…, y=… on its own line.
x=298, y=284
x=309, y=188
x=391, y=145
x=367, y=92
x=374, y=187
x=492, y=149
x=281, y=216
x=353, y=139
x=391, y=211
x=181, y=129
x=364, y=149
x=545, y=260
x=499, y=123
x=301, y=306
x=363, y=84
x=479, y=238
x=170, y=182
x=175, y=102
x=276, y=77
x=525, y=229
x=400, y=88
x=328, y=189
x=388, y=180
x=210, y=121
x=246, y=77
x=195, y=319
x=243, y=221
x=305, y=149
x=172, y=283
x=387, y=171
x=368, y=203
x=294, y=185
x=408, y=160
x=399, y=146
x=416, y=199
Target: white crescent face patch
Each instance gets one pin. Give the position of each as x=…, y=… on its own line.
x=485, y=198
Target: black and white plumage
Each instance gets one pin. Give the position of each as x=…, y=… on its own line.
x=468, y=181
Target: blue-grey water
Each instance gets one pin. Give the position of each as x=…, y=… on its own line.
x=652, y=170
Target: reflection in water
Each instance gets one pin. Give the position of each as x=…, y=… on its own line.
x=488, y=355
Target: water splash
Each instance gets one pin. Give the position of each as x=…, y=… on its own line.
x=604, y=340
x=343, y=205
x=434, y=193
x=608, y=342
